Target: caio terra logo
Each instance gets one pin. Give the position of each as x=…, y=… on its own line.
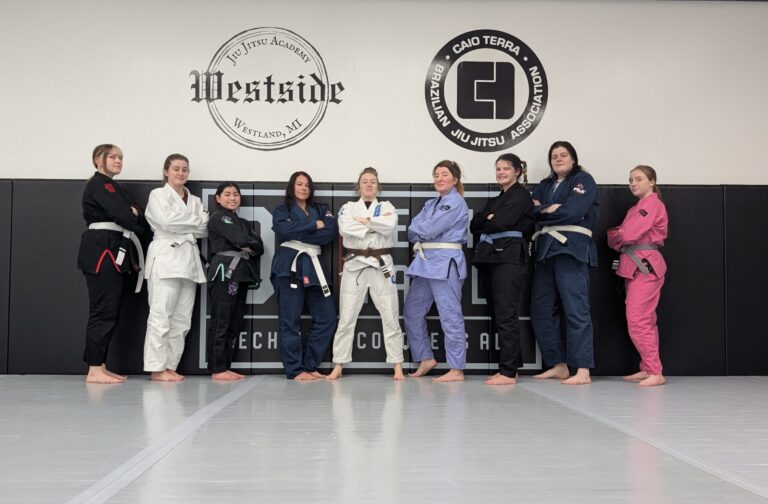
x=486, y=90
x=266, y=88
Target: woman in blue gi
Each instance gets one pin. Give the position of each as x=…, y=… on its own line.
x=110, y=256
x=302, y=226
x=566, y=214
x=502, y=231
x=437, y=274
x=234, y=249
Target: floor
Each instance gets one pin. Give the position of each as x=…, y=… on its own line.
x=368, y=439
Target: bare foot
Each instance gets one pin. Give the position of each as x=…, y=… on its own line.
x=559, y=371
x=451, y=376
x=113, y=375
x=166, y=376
x=304, y=376
x=500, y=379
x=640, y=375
x=653, y=380
x=425, y=367
x=96, y=374
x=398, y=376
x=224, y=376
x=238, y=376
x=174, y=373
x=580, y=378
x=335, y=374
x=317, y=374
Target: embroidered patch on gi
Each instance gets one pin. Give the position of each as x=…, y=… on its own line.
x=377, y=211
x=444, y=207
x=306, y=280
x=232, y=288
x=227, y=219
x=643, y=213
x=109, y=187
x=579, y=189
x=341, y=212
x=328, y=213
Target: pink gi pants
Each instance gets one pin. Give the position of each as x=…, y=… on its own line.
x=643, y=292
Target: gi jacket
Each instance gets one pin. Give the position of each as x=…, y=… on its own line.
x=646, y=223
x=173, y=252
x=578, y=196
x=294, y=224
x=227, y=231
x=512, y=211
x=379, y=233
x=442, y=219
x=105, y=201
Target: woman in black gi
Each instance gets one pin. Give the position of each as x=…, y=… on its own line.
x=110, y=256
x=502, y=231
x=234, y=249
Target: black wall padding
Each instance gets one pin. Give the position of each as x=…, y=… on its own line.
x=48, y=299
x=746, y=250
x=6, y=194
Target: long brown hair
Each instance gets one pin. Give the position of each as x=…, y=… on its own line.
x=170, y=159
x=517, y=163
x=453, y=167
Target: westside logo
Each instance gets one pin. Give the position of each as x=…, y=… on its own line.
x=266, y=88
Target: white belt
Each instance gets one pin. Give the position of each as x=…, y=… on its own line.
x=554, y=232
x=178, y=239
x=419, y=247
x=312, y=251
x=112, y=226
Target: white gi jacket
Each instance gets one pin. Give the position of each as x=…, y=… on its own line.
x=173, y=252
x=378, y=234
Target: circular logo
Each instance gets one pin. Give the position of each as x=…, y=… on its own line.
x=486, y=90
x=266, y=88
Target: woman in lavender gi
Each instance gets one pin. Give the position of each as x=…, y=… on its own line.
x=437, y=273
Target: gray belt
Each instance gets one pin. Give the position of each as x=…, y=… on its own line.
x=630, y=251
x=236, y=256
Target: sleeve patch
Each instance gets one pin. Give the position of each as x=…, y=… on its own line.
x=110, y=188
x=444, y=207
x=579, y=189
x=226, y=219
x=643, y=213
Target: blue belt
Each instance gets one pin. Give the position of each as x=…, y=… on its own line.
x=488, y=238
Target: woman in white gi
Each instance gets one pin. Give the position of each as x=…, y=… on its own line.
x=368, y=227
x=173, y=268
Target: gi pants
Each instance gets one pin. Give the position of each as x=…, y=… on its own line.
x=301, y=357
x=354, y=286
x=106, y=291
x=171, y=301
x=562, y=281
x=446, y=293
x=643, y=294
x=502, y=286
x=227, y=311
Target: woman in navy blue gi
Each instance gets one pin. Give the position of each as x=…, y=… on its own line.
x=502, y=231
x=437, y=274
x=302, y=226
x=234, y=249
x=110, y=256
x=566, y=215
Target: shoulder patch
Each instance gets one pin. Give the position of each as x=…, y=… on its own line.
x=579, y=189
x=444, y=207
x=109, y=187
x=643, y=212
x=226, y=219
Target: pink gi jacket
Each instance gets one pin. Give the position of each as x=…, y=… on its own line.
x=646, y=222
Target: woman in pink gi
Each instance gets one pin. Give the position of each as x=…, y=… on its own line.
x=638, y=239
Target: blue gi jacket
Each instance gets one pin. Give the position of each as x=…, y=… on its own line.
x=297, y=225
x=578, y=196
x=442, y=219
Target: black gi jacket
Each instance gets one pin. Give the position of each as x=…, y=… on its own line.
x=228, y=231
x=105, y=201
x=512, y=211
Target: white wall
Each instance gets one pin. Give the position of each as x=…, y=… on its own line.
x=677, y=85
